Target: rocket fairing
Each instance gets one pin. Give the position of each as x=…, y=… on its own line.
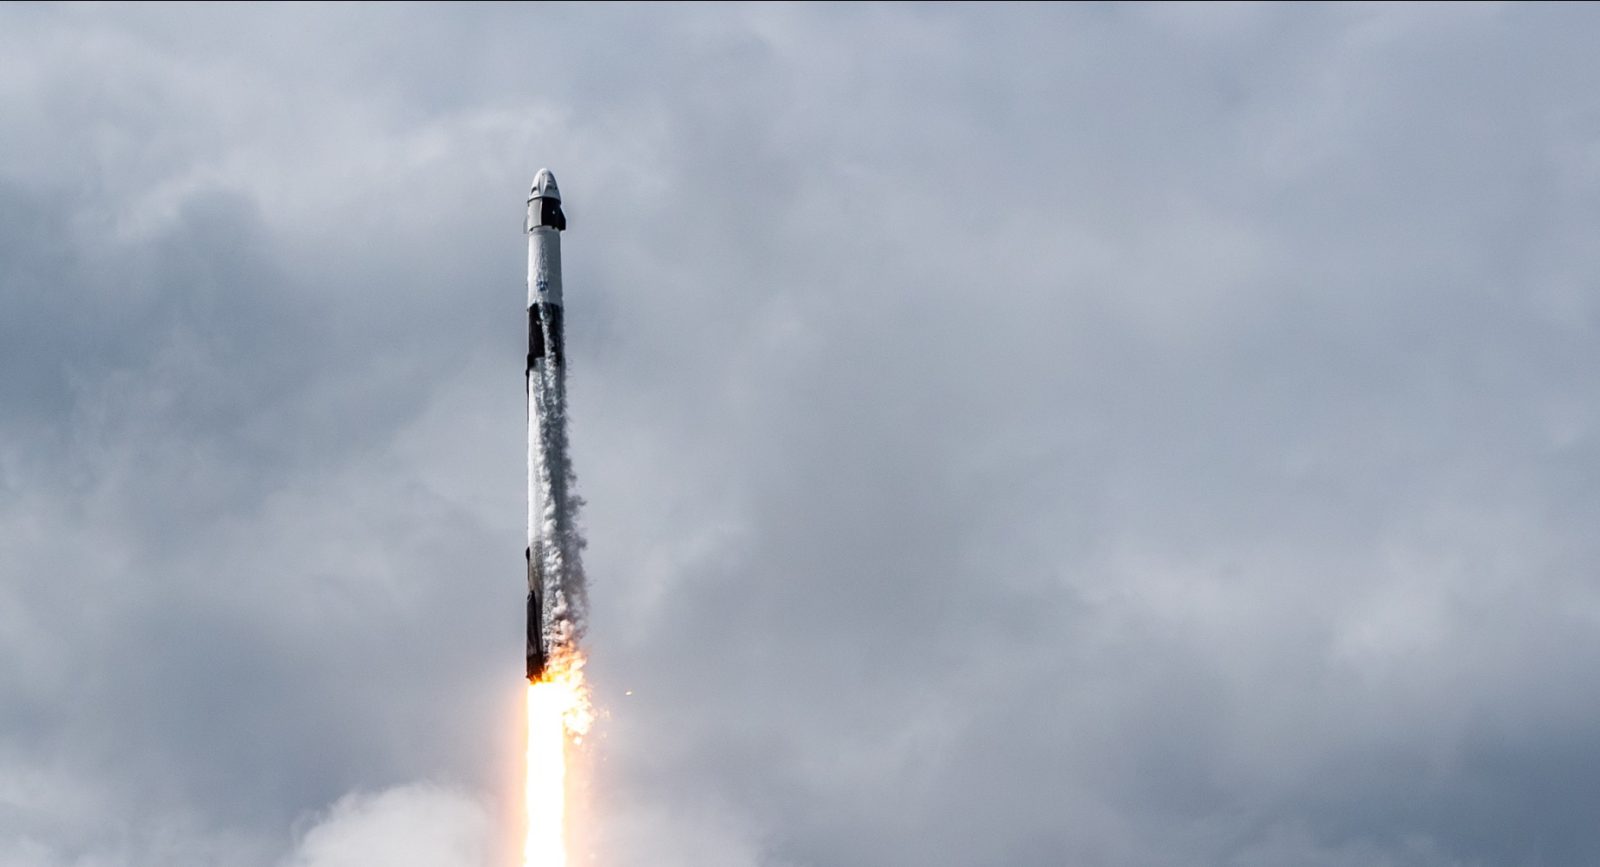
x=555, y=592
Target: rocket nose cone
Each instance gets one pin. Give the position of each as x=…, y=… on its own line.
x=544, y=186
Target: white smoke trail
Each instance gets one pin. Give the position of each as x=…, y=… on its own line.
x=559, y=559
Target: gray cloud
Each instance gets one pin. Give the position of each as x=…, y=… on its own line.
x=1109, y=435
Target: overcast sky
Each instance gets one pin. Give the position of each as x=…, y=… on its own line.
x=1103, y=436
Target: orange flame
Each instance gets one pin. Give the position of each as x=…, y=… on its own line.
x=558, y=711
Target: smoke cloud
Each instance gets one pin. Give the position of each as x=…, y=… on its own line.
x=419, y=825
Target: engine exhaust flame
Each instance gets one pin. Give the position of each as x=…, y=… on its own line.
x=559, y=712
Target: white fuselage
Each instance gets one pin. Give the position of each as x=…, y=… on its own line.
x=545, y=378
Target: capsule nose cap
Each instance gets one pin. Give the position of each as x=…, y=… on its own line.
x=544, y=186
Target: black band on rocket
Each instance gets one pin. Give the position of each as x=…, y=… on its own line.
x=551, y=314
x=550, y=214
x=536, y=649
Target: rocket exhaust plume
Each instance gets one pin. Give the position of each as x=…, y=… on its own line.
x=558, y=713
x=558, y=700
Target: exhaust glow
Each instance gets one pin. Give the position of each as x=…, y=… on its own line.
x=558, y=712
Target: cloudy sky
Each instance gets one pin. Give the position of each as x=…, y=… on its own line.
x=1117, y=436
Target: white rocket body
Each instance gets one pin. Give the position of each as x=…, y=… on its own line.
x=555, y=581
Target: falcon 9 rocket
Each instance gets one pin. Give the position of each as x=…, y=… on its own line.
x=555, y=577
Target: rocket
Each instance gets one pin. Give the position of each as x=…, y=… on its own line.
x=555, y=590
